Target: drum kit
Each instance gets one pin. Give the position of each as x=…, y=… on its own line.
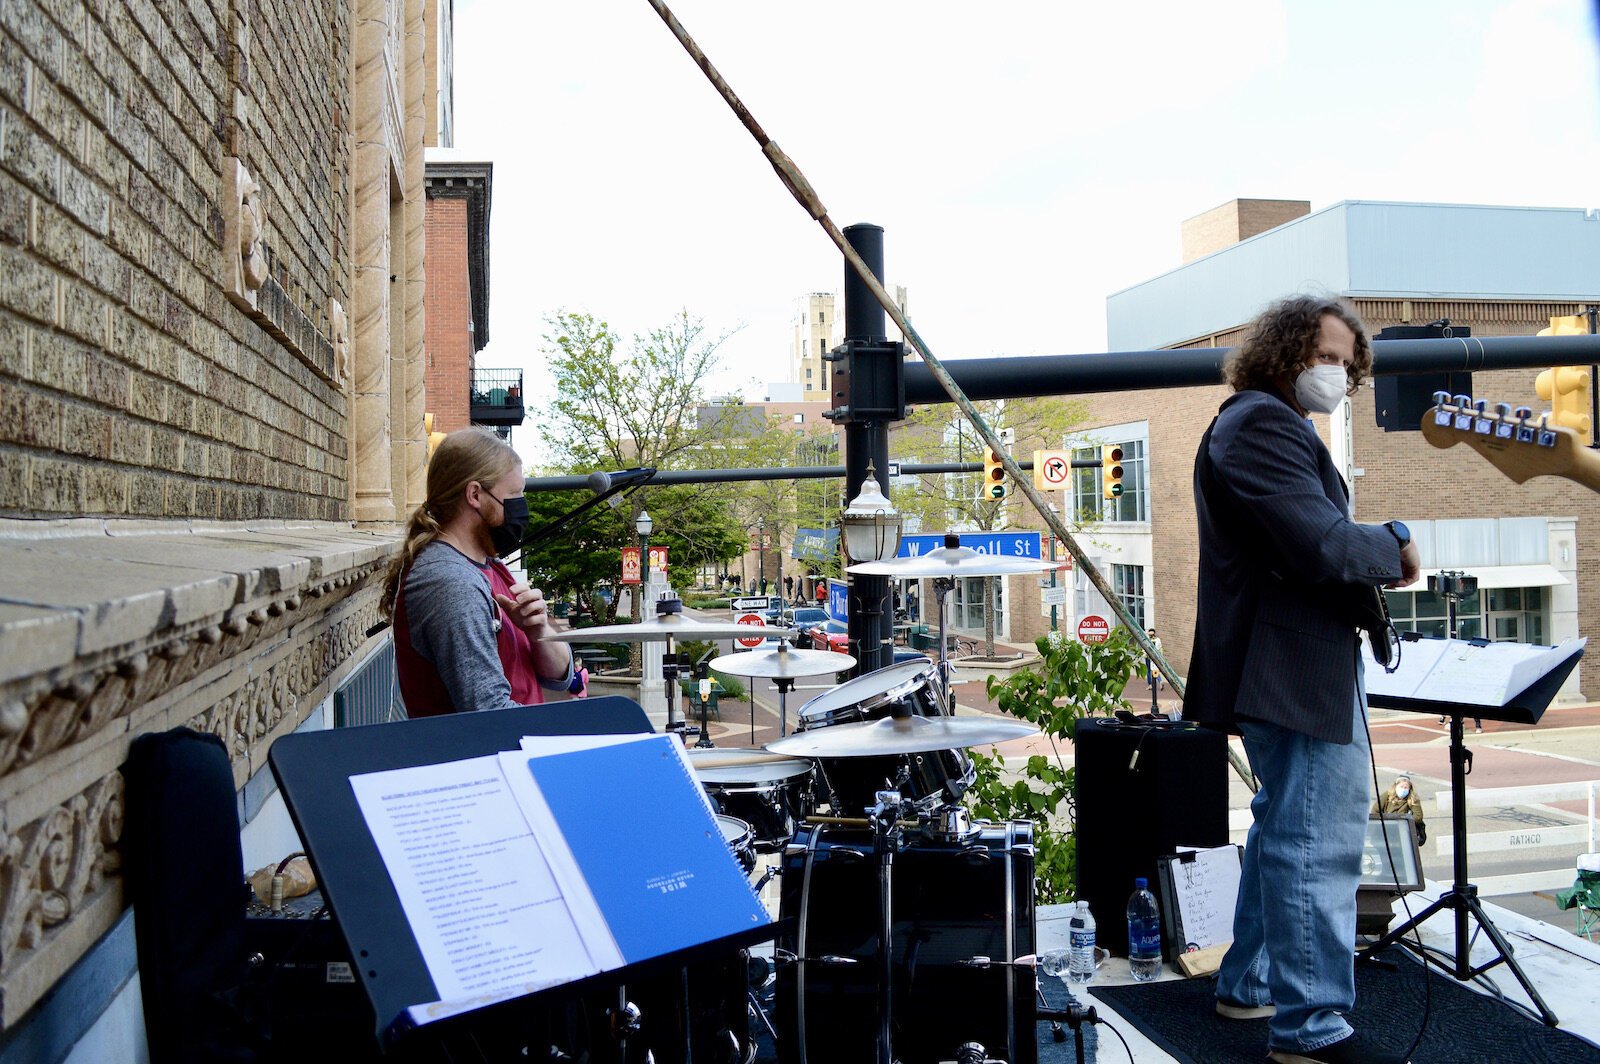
x=906, y=929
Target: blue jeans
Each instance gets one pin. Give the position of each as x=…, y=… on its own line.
x=1294, y=927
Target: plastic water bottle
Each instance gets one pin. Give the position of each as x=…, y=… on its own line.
x=1144, y=933
x=1081, y=937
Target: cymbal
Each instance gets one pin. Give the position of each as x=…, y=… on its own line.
x=668, y=626
x=783, y=663
x=900, y=735
x=951, y=561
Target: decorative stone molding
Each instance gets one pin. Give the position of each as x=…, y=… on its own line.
x=240, y=633
x=339, y=336
x=243, y=232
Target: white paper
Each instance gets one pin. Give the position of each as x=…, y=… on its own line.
x=540, y=745
x=1463, y=672
x=1207, y=889
x=484, y=906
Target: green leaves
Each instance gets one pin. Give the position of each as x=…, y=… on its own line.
x=1073, y=680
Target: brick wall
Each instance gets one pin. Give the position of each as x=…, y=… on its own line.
x=449, y=314
x=129, y=384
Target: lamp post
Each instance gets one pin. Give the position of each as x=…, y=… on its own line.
x=1054, y=510
x=871, y=534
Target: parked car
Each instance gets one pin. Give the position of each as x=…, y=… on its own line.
x=831, y=635
x=805, y=618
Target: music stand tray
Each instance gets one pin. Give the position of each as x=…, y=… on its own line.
x=313, y=770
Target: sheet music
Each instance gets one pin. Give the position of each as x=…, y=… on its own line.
x=476, y=887
x=1464, y=672
x=1206, y=889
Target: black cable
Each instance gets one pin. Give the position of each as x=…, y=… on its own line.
x=1394, y=873
x=1121, y=1039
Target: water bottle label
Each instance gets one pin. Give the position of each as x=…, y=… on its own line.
x=1145, y=942
x=1082, y=939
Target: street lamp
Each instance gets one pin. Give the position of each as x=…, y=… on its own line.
x=871, y=524
x=642, y=525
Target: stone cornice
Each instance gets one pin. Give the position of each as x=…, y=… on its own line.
x=111, y=630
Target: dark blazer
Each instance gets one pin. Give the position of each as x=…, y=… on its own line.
x=1275, y=536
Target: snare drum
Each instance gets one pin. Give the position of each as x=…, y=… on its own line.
x=853, y=782
x=741, y=841
x=772, y=797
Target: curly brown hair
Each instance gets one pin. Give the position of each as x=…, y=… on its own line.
x=1283, y=339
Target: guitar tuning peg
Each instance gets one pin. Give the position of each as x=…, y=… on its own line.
x=1480, y=406
x=1501, y=410
x=1441, y=398
x=1523, y=413
x=1463, y=401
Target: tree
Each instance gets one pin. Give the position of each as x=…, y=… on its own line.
x=938, y=433
x=620, y=406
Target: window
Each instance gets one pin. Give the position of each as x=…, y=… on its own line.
x=1128, y=582
x=808, y=373
x=970, y=600
x=1088, y=501
x=1501, y=614
x=822, y=316
x=799, y=419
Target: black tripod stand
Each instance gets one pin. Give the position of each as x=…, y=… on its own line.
x=1462, y=898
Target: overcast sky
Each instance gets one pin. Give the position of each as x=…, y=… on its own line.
x=1025, y=159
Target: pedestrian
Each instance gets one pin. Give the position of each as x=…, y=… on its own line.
x=1401, y=800
x=822, y=592
x=1276, y=659
x=467, y=634
x=788, y=588
x=911, y=604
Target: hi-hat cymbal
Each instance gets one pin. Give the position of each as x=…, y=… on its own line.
x=671, y=625
x=900, y=735
x=951, y=561
x=783, y=663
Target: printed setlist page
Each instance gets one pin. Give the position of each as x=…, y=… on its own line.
x=475, y=884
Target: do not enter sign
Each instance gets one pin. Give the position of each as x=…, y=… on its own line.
x=1093, y=629
x=754, y=640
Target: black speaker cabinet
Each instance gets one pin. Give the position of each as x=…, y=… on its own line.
x=1131, y=811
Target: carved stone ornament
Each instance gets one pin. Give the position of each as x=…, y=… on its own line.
x=339, y=334
x=245, y=255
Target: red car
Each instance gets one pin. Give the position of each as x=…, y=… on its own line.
x=831, y=635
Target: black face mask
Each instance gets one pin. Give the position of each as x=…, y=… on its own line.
x=507, y=536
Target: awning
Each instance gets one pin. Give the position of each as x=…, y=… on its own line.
x=1497, y=576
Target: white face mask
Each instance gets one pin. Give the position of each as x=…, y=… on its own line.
x=1319, y=388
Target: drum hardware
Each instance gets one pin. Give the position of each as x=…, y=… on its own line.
x=782, y=666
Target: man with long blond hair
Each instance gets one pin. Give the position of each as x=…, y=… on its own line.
x=1276, y=658
x=467, y=634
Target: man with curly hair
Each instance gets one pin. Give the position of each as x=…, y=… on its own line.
x=1277, y=660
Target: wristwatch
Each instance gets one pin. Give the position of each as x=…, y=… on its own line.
x=1401, y=532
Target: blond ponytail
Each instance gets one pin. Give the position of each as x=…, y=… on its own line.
x=464, y=456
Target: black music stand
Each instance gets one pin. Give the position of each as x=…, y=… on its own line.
x=1526, y=707
x=313, y=770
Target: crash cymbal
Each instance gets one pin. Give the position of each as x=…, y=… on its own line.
x=783, y=663
x=672, y=625
x=900, y=735
x=736, y=765
x=951, y=561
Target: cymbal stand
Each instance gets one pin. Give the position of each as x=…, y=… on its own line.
x=942, y=586
x=886, y=837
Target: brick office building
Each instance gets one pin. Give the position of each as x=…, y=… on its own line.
x=211, y=399
x=1500, y=271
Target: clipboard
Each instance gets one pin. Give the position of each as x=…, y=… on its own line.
x=1198, y=892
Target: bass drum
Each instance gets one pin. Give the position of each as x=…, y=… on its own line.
x=852, y=783
x=950, y=902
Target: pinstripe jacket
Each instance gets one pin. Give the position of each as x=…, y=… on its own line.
x=1275, y=536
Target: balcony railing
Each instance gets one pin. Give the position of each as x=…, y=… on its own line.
x=497, y=397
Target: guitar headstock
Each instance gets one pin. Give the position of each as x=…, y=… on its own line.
x=1516, y=442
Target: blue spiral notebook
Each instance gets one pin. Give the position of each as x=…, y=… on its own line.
x=652, y=855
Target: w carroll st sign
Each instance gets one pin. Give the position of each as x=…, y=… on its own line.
x=1003, y=544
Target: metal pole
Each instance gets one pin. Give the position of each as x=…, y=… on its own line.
x=866, y=442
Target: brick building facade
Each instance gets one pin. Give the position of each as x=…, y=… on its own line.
x=211, y=398
x=1393, y=474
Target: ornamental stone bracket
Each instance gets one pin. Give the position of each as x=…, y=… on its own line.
x=108, y=632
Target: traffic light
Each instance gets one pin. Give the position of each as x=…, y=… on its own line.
x=1567, y=388
x=1111, y=472
x=994, y=476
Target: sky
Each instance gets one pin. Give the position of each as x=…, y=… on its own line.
x=1025, y=159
